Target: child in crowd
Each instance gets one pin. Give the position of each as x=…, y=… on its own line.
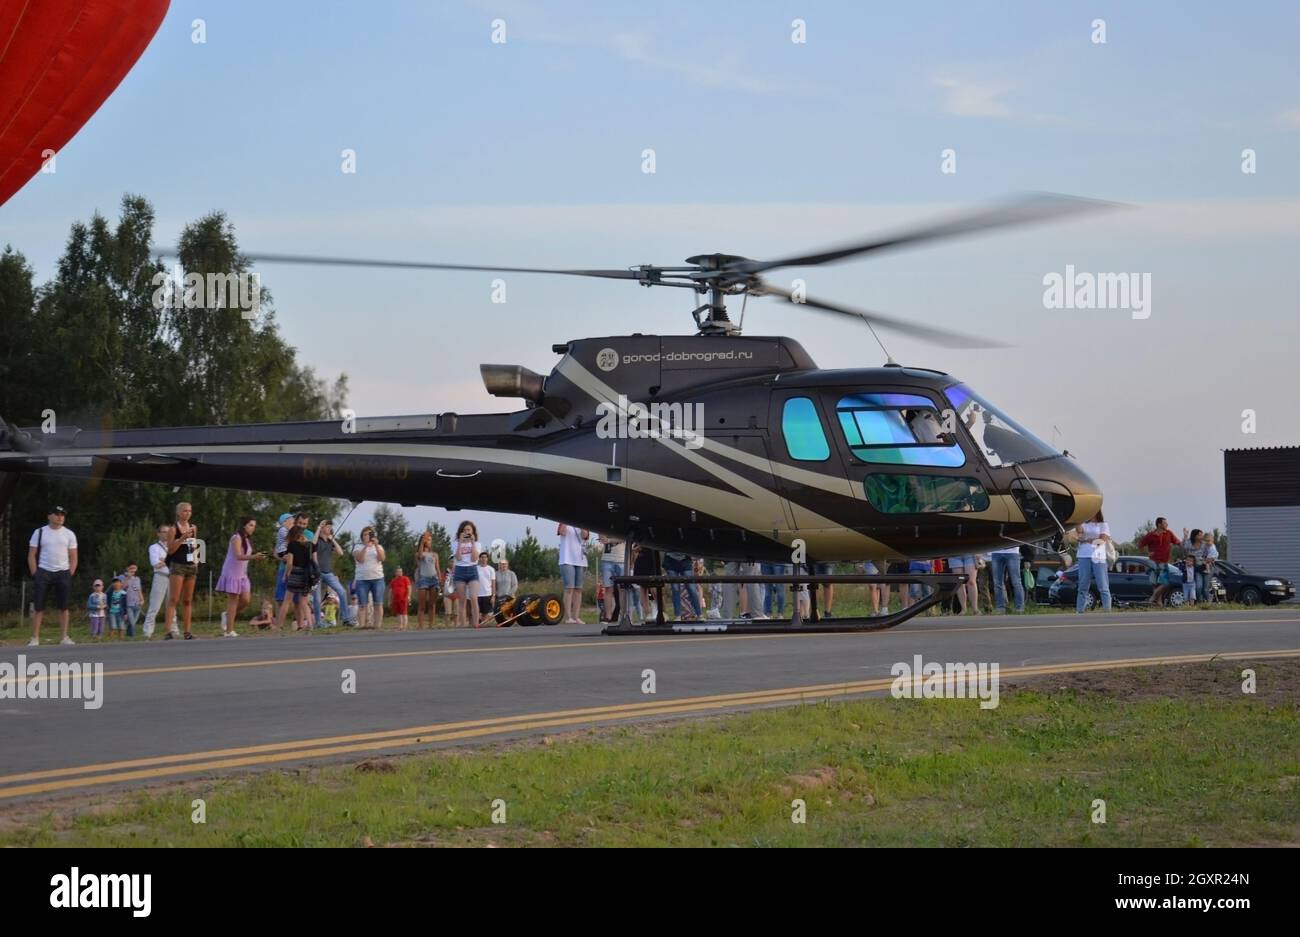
x=330, y=610
x=448, y=597
x=399, y=589
x=266, y=618
x=1189, y=578
x=117, y=609
x=97, y=607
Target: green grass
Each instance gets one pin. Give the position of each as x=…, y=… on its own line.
x=1217, y=769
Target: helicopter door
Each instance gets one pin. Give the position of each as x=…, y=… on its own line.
x=807, y=465
x=901, y=462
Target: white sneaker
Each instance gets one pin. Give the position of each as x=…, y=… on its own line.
x=67, y=640
x=34, y=642
x=231, y=634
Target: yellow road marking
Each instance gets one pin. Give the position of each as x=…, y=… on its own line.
x=167, y=765
x=683, y=639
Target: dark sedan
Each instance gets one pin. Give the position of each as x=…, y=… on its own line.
x=1250, y=589
x=1130, y=584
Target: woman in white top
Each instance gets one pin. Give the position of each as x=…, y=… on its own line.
x=573, y=567
x=1093, y=537
x=465, y=549
x=370, y=558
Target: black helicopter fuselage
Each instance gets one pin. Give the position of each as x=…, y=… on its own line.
x=722, y=446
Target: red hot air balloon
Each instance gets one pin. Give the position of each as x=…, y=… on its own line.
x=59, y=61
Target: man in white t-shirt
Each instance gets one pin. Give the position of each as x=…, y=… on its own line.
x=573, y=565
x=52, y=561
x=487, y=580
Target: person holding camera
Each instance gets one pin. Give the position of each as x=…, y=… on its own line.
x=370, y=556
x=327, y=548
x=465, y=549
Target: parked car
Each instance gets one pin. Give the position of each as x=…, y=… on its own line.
x=1045, y=570
x=1251, y=589
x=1130, y=584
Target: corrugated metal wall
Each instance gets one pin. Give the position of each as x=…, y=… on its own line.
x=1254, y=478
x=1266, y=540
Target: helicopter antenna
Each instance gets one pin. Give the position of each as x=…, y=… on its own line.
x=889, y=359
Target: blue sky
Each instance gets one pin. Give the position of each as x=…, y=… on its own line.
x=529, y=152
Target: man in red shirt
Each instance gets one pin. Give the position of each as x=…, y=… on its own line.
x=400, y=590
x=1158, y=544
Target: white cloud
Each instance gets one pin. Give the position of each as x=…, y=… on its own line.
x=966, y=97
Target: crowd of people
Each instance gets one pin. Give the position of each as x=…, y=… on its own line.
x=473, y=588
x=307, y=585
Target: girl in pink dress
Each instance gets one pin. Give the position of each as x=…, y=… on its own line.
x=234, y=573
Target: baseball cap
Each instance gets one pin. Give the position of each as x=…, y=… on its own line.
x=98, y=582
x=57, y=509
x=284, y=517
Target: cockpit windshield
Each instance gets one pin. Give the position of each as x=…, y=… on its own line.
x=999, y=438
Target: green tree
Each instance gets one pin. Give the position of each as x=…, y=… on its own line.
x=396, y=537
x=95, y=346
x=530, y=561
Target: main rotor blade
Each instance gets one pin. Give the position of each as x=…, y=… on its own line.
x=1026, y=210
x=311, y=259
x=926, y=333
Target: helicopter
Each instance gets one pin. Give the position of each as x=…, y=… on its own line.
x=716, y=444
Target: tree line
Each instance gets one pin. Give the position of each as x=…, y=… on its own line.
x=94, y=348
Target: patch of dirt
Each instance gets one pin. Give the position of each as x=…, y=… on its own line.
x=813, y=780
x=1277, y=682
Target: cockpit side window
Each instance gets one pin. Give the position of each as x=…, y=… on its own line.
x=805, y=440
x=896, y=429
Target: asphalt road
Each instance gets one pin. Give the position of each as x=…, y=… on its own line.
x=178, y=709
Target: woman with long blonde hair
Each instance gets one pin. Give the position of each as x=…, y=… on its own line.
x=428, y=580
x=183, y=554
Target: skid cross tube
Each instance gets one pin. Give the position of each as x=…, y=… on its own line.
x=944, y=584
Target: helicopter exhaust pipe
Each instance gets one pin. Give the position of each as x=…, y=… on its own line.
x=512, y=380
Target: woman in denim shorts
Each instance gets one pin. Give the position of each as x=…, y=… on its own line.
x=428, y=580
x=183, y=563
x=465, y=549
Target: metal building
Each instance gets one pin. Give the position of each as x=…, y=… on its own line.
x=1262, y=491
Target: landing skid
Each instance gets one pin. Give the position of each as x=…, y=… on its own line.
x=942, y=588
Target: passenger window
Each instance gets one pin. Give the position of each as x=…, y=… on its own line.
x=925, y=494
x=896, y=429
x=805, y=439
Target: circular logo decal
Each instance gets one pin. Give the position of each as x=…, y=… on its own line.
x=607, y=359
